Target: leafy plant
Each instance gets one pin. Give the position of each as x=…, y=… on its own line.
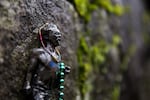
x=85, y=7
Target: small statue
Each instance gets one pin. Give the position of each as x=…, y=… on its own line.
x=42, y=73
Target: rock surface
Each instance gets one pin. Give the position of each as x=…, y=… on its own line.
x=18, y=20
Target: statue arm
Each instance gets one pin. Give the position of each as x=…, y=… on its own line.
x=31, y=67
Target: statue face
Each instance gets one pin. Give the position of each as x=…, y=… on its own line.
x=55, y=38
x=51, y=33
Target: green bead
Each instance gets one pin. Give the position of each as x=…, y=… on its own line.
x=62, y=67
x=61, y=94
x=62, y=64
x=62, y=74
x=60, y=99
x=61, y=80
x=61, y=87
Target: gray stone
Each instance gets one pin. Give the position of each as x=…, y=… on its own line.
x=18, y=38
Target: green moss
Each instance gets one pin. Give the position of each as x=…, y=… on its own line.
x=116, y=39
x=85, y=7
x=85, y=68
x=115, y=93
x=92, y=58
x=106, y=4
x=83, y=46
x=126, y=59
x=89, y=59
x=98, y=53
x=118, y=10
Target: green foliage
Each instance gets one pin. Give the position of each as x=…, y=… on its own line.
x=118, y=10
x=84, y=73
x=115, y=9
x=83, y=46
x=85, y=7
x=115, y=93
x=130, y=51
x=89, y=59
x=116, y=40
x=106, y=4
x=98, y=53
x=85, y=68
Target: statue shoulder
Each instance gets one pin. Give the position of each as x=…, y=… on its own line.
x=38, y=51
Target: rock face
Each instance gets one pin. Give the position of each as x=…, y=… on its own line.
x=17, y=38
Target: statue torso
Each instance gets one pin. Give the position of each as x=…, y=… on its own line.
x=43, y=74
